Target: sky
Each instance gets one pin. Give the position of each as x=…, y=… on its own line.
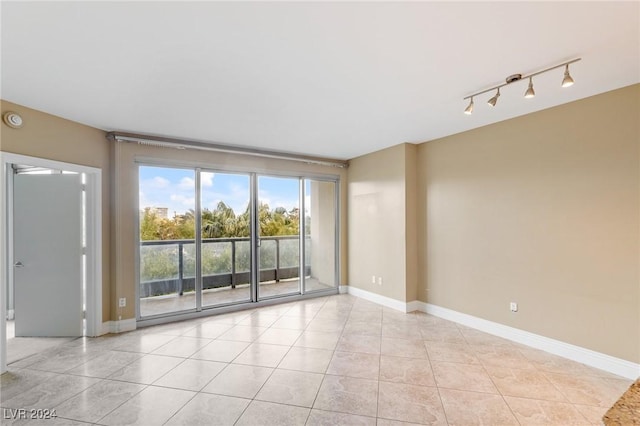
x=175, y=189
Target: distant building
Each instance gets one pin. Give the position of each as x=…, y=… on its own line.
x=159, y=212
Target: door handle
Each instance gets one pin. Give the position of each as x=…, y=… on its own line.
x=18, y=264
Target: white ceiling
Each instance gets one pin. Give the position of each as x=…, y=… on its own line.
x=330, y=79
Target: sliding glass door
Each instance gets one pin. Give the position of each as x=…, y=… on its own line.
x=167, y=240
x=279, y=240
x=226, y=238
x=320, y=235
x=210, y=238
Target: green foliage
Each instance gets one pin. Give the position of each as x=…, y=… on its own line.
x=161, y=262
x=278, y=221
x=153, y=227
x=158, y=262
x=221, y=222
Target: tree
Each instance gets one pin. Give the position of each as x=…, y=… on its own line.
x=161, y=262
x=221, y=222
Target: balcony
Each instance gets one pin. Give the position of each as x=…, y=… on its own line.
x=167, y=272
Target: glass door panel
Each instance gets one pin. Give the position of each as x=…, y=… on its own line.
x=279, y=236
x=226, y=238
x=167, y=240
x=320, y=235
x=248, y=245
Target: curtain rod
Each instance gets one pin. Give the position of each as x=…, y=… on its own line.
x=176, y=143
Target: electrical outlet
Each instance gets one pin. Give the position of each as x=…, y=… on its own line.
x=373, y=279
x=379, y=280
x=513, y=306
x=122, y=302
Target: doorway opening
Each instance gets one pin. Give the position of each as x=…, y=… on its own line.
x=51, y=254
x=46, y=297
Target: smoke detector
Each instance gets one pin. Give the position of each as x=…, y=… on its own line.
x=12, y=119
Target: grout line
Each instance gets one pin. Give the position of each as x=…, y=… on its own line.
x=343, y=315
x=183, y=405
x=145, y=386
x=435, y=381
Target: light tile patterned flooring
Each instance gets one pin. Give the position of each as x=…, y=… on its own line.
x=327, y=361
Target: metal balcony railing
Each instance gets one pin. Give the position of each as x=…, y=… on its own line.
x=168, y=266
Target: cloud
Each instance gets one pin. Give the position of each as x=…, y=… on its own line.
x=206, y=179
x=143, y=201
x=237, y=199
x=233, y=190
x=277, y=200
x=159, y=182
x=187, y=184
x=175, y=190
x=186, y=201
x=170, y=191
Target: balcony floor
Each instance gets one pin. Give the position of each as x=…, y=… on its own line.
x=157, y=305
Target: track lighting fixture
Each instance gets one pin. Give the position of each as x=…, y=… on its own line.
x=530, y=93
x=567, y=80
x=469, y=109
x=493, y=100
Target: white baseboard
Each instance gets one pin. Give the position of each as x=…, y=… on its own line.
x=376, y=298
x=119, y=326
x=343, y=289
x=415, y=305
x=586, y=356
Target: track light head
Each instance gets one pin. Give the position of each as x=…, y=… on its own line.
x=530, y=93
x=494, y=100
x=469, y=109
x=567, y=80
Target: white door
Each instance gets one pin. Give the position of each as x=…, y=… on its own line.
x=47, y=220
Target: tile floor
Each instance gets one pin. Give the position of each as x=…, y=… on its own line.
x=336, y=360
x=22, y=347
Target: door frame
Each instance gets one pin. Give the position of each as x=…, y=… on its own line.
x=93, y=192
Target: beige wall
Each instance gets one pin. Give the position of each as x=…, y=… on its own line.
x=411, y=222
x=54, y=138
x=542, y=210
x=125, y=201
x=322, y=232
x=47, y=136
x=377, y=222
